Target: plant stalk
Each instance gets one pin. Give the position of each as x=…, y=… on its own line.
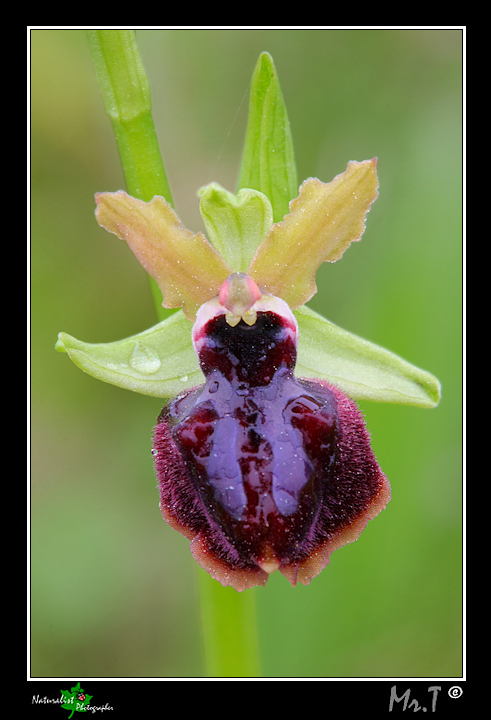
x=229, y=625
x=126, y=95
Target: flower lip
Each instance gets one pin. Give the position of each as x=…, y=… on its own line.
x=269, y=480
x=261, y=470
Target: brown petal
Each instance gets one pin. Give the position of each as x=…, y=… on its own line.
x=186, y=267
x=323, y=220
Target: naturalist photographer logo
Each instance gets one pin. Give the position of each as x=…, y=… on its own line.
x=73, y=700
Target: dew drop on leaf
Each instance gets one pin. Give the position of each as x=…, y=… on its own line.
x=144, y=360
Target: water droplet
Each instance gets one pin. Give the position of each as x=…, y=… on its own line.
x=214, y=387
x=144, y=360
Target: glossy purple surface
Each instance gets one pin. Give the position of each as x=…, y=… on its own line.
x=260, y=460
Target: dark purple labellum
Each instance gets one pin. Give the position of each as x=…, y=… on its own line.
x=260, y=469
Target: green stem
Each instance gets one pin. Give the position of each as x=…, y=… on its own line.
x=229, y=630
x=126, y=95
x=228, y=617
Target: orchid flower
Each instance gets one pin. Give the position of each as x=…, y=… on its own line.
x=251, y=267
x=262, y=456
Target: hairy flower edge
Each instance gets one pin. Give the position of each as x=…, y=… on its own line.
x=184, y=510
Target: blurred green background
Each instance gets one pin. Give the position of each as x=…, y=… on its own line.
x=113, y=589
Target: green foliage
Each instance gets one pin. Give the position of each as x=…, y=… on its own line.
x=268, y=162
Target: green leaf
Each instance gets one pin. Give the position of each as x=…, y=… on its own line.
x=235, y=224
x=188, y=270
x=360, y=368
x=160, y=361
x=268, y=162
x=323, y=220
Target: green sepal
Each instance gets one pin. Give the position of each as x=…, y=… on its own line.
x=268, y=161
x=159, y=361
x=361, y=369
x=235, y=224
